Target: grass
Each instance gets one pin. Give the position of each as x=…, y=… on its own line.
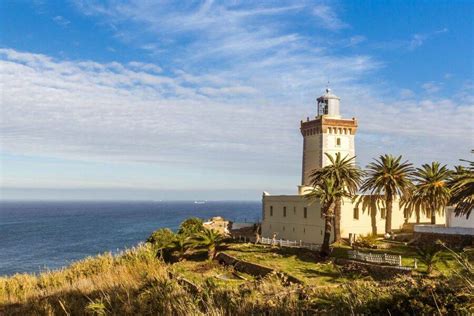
x=300, y=263
x=135, y=282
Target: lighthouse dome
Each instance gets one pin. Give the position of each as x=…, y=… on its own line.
x=328, y=104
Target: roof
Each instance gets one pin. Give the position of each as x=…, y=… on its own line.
x=328, y=95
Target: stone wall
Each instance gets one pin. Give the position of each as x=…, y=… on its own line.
x=253, y=268
x=377, y=271
x=451, y=240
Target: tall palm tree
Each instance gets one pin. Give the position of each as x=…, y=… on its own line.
x=388, y=177
x=462, y=190
x=210, y=239
x=431, y=192
x=346, y=176
x=326, y=192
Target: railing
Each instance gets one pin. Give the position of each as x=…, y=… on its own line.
x=375, y=258
x=289, y=243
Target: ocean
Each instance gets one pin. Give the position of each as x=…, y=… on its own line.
x=36, y=236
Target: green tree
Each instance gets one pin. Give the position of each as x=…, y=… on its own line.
x=326, y=192
x=346, y=176
x=431, y=192
x=209, y=239
x=429, y=255
x=181, y=244
x=163, y=241
x=388, y=177
x=462, y=190
x=191, y=226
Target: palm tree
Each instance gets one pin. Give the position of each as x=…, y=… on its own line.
x=430, y=255
x=181, y=244
x=346, y=176
x=431, y=192
x=210, y=239
x=326, y=192
x=388, y=177
x=462, y=190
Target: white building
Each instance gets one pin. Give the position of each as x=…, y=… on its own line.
x=292, y=217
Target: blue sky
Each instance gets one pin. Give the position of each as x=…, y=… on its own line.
x=202, y=100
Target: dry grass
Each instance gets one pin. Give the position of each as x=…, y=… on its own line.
x=136, y=283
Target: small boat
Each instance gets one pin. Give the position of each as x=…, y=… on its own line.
x=199, y=202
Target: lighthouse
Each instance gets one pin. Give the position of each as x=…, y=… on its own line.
x=326, y=133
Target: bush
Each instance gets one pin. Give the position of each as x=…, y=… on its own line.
x=161, y=238
x=191, y=226
x=367, y=241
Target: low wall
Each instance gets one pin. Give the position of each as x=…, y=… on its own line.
x=457, y=237
x=435, y=229
x=252, y=268
x=375, y=270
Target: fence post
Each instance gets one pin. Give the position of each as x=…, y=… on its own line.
x=415, y=264
x=399, y=261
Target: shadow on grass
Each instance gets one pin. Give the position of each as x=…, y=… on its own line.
x=333, y=275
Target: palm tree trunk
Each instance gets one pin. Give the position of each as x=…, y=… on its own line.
x=211, y=253
x=337, y=220
x=433, y=216
x=327, y=230
x=388, y=215
x=417, y=213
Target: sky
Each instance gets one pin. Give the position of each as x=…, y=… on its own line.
x=186, y=100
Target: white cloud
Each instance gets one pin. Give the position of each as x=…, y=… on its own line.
x=230, y=100
x=60, y=20
x=327, y=18
x=431, y=87
x=85, y=110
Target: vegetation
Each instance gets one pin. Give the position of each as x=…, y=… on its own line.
x=367, y=241
x=431, y=192
x=327, y=193
x=346, y=177
x=135, y=282
x=210, y=239
x=191, y=226
x=388, y=177
x=462, y=186
x=429, y=255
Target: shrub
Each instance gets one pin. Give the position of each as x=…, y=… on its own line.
x=191, y=226
x=163, y=241
x=367, y=241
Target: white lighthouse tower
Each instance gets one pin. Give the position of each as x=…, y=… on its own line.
x=326, y=133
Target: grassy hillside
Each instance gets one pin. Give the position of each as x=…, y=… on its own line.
x=135, y=282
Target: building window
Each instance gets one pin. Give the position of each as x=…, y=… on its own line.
x=293, y=229
x=271, y=210
x=305, y=212
x=294, y=210
x=283, y=228
x=338, y=141
x=356, y=213
x=304, y=230
x=383, y=213
x=284, y=211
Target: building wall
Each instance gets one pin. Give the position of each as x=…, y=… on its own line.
x=330, y=146
x=460, y=221
x=294, y=226
x=312, y=155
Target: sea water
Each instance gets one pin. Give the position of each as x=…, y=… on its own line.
x=35, y=236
